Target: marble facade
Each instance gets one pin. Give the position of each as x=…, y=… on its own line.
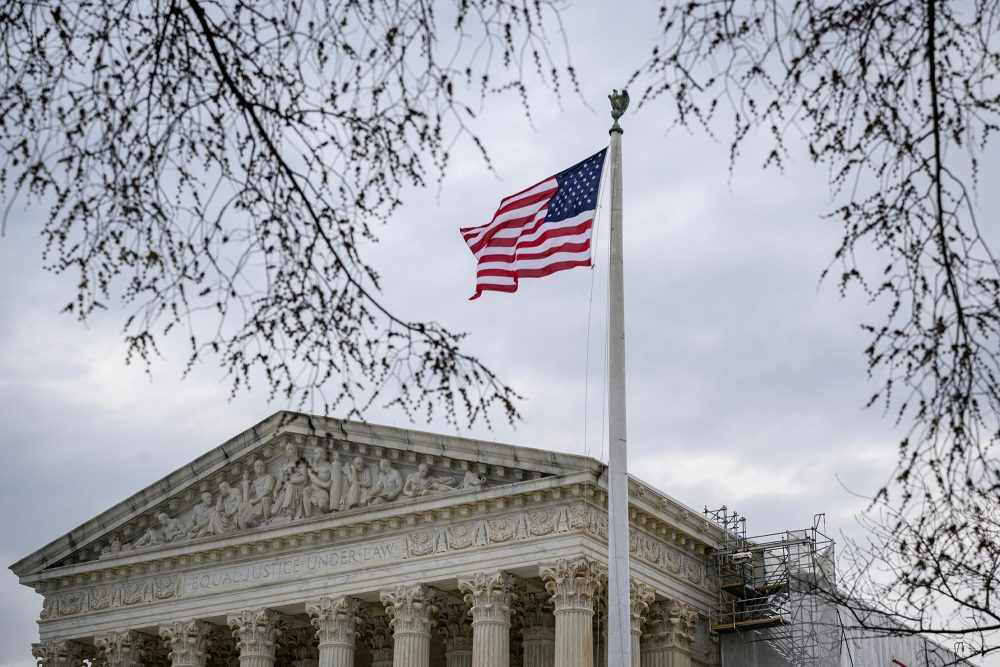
x=311, y=541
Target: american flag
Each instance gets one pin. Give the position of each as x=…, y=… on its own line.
x=538, y=231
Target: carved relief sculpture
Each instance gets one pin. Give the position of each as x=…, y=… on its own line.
x=359, y=485
x=290, y=495
x=388, y=484
x=420, y=483
x=208, y=518
x=167, y=530
x=317, y=495
x=257, y=496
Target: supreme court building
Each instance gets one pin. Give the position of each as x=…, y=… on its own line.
x=314, y=541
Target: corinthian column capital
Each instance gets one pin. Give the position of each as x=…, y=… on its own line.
x=187, y=641
x=489, y=596
x=335, y=619
x=672, y=624
x=256, y=631
x=411, y=609
x=573, y=584
x=59, y=653
x=125, y=648
x=640, y=597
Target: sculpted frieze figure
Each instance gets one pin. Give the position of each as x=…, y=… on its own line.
x=420, y=483
x=166, y=530
x=257, y=496
x=316, y=497
x=327, y=482
x=472, y=481
x=291, y=493
x=388, y=484
x=212, y=518
x=359, y=485
x=230, y=505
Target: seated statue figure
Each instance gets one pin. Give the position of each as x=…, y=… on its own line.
x=388, y=484
x=209, y=518
x=359, y=485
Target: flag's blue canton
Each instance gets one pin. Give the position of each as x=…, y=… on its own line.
x=577, y=189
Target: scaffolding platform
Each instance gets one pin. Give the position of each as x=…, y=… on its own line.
x=765, y=585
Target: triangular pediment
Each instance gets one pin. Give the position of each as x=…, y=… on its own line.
x=297, y=468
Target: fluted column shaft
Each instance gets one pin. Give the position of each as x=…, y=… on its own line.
x=489, y=597
x=257, y=632
x=187, y=641
x=411, y=610
x=573, y=586
x=335, y=620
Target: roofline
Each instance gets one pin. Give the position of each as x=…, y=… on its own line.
x=284, y=421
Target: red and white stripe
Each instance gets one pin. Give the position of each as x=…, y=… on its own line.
x=518, y=243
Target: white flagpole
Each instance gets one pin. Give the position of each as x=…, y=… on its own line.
x=619, y=629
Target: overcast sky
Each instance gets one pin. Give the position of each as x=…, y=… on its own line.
x=746, y=376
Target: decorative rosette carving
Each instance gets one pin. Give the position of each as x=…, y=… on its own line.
x=187, y=640
x=411, y=609
x=335, y=618
x=573, y=584
x=490, y=596
x=257, y=631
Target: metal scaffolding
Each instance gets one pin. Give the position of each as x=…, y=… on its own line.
x=766, y=591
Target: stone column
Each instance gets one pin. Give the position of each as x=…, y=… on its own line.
x=301, y=643
x=257, y=632
x=573, y=585
x=640, y=597
x=490, y=597
x=538, y=635
x=187, y=641
x=125, y=648
x=670, y=634
x=456, y=628
x=336, y=620
x=411, y=611
x=378, y=636
x=60, y=653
